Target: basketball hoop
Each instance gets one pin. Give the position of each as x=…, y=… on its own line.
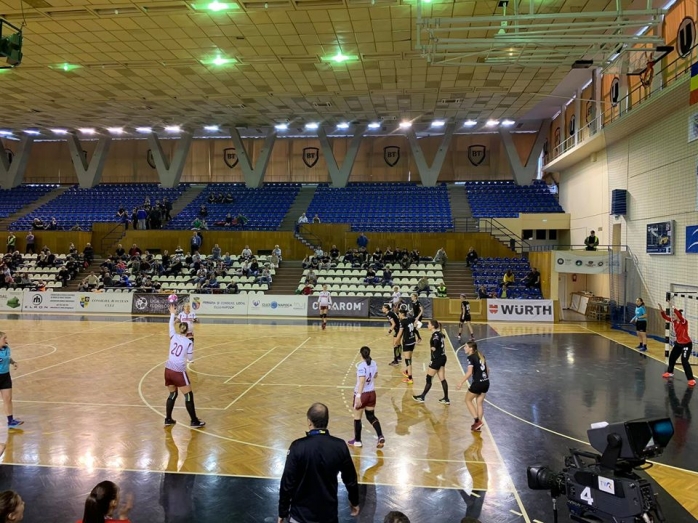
x=647, y=75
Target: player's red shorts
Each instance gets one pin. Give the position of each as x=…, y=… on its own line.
x=368, y=399
x=178, y=379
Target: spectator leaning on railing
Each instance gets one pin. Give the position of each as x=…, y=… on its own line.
x=591, y=241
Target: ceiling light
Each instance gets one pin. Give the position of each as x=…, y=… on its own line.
x=59, y=131
x=211, y=128
x=281, y=126
x=218, y=60
x=5, y=133
x=508, y=123
x=405, y=125
x=33, y=132
x=64, y=67
x=216, y=6
x=374, y=125
x=144, y=129
x=438, y=123
x=116, y=130
x=311, y=126
x=343, y=125
x=470, y=123
x=87, y=131
x=173, y=128
x=339, y=58
x=492, y=123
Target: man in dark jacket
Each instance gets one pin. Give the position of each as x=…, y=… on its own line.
x=308, y=492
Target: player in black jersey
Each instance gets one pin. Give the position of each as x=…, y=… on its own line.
x=394, y=329
x=407, y=338
x=417, y=313
x=475, y=397
x=465, y=317
x=437, y=364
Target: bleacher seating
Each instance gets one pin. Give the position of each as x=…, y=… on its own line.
x=265, y=208
x=490, y=272
x=35, y=273
x=12, y=200
x=506, y=199
x=345, y=281
x=384, y=207
x=98, y=204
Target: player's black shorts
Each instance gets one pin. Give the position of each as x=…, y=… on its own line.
x=5, y=381
x=480, y=387
x=465, y=318
x=437, y=363
x=641, y=326
x=408, y=348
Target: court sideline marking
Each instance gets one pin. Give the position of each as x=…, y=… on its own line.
x=524, y=514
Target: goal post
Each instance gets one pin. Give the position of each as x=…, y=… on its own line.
x=688, y=302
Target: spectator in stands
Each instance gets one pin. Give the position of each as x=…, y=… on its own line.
x=216, y=252
x=26, y=283
x=146, y=202
x=311, y=278
x=306, y=261
x=362, y=241
x=120, y=251
x=92, y=281
x=405, y=261
x=142, y=218
x=72, y=249
x=178, y=251
x=387, y=277
x=441, y=290
x=325, y=263
x=302, y=219
x=389, y=255
x=471, y=258
x=591, y=241
x=53, y=224
x=203, y=212
x=11, y=242
x=227, y=260
x=76, y=227
x=316, y=219
x=277, y=251
x=244, y=269
x=334, y=253
x=371, y=278
x=274, y=260
x=254, y=267
x=532, y=279
x=167, y=206
x=122, y=216
x=88, y=253
x=41, y=286
x=232, y=288
x=318, y=252
x=229, y=198
x=414, y=255
x=134, y=218
x=246, y=253
x=423, y=286
x=38, y=224
x=155, y=217
x=197, y=224
x=395, y=517
x=503, y=291
x=227, y=222
x=135, y=250
x=314, y=263
x=265, y=277
x=307, y=290
x=30, y=243
x=482, y=293
x=195, y=242
x=440, y=256
x=508, y=277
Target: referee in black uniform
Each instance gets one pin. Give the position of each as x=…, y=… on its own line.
x=308, y=491
x=417, y=312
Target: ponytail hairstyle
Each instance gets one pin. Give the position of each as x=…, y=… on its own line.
x=99, y=503
x=642, y=302
x=366, y=354
x=2, y=335
x=435, y=324
x=183, y=327
x=9, y=503
x=480, y=356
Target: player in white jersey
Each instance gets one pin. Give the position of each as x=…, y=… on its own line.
x=188, y=316
x=396, y=299
x=365, y=398
x=324, y=301
x=176, y=379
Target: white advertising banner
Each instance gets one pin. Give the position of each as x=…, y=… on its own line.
x=520, y=310
x=103, y=302
x=11, y=300
x=263, y=305
x=220, y=304
x=582, y=262
x=49, y=301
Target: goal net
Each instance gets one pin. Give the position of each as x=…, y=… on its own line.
x=688, y=301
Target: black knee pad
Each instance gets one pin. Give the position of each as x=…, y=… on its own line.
x=429, y=378
x=370, y=416
x=408, y=362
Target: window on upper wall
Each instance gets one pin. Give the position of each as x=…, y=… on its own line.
x=540, y=234
x=527, y=234
x=552, y=234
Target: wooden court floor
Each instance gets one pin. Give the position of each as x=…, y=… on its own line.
x=92, y=396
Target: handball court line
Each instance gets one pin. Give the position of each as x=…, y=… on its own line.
x=268, y=372
x=524, y=514
x=83, y=356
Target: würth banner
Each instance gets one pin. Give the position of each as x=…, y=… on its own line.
x=520, y=310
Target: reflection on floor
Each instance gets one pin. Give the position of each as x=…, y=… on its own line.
x=92, y=396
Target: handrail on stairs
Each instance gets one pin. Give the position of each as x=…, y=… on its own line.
x=516, y=243
x=307, y=235
x=109, y=238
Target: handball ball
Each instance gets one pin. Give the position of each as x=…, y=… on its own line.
x=172, y=298
x=418, y=324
